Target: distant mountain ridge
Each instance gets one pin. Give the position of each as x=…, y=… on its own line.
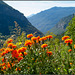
x=30, y=15
x=47, y=19
x=7, y=17
x=60, y=27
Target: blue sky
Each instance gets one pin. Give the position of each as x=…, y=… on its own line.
x=33, y=7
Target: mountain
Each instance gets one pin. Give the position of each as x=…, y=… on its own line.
x=30, y=15
x=60, y=27
x=7, y=17
x=47, y=19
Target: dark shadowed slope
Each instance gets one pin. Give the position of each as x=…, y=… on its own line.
x=7, y=17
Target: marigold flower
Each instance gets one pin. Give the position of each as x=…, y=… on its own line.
x=74, y=46
x=19, y=69
x=44, y=45
x=34, y=38
x=3, y=64
x=37, y=41
x=3, y=59
x=43, y=38
x=19, y=50
x=68, y=41
x=49, y=53
x=28, y=42
x=20, y=54
x=12, y=64
x=9, y=41
x=69, y=50
x=38, y=37
x=16, y=69
x=22, y=49
x=70, y=63
x=15, y=54
x=2, y=54
x=7, y=50
x=10, y=44
x=2, y=49
x=8, y=65
x=65, y=37
x=20, y=58
x=14, y=46
x=25, y=53
x=29, y=35
x=4, y=68
x=49, y=36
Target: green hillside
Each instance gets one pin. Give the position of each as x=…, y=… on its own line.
x=47, y=19
x=60, y=27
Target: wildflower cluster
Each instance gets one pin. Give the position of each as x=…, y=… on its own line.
x=17, y=54
x=38, y=55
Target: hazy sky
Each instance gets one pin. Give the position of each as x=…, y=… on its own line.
x=33, y=7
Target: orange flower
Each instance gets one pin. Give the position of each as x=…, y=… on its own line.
x=19, y=69
x=38, y=37
x=70, y=63
x=12, y=64
x=25, y=53
x=44, y=45
x=2, y=54
x=65, y=37
x=69, y=50
x=16, y=69
x=37, y=41
x=15, y=54
x=14, y=46
x=74, y=46
x=3, y=59
x=7, y=50
x=34, y=38
x=20, y=58
x=42, y=39
x=8, y=65
x=49, y=53
x=28, y=42
x=68, y=41
x=49, y=36
x=9, y=41
x=10, y=44
x=29, y=35
x=2, y=49
x=22, y=49
x=3, y=64
x=4, y=68
x=19, y=50
x=20, y=54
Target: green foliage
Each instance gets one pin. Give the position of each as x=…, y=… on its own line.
x=71, y=29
